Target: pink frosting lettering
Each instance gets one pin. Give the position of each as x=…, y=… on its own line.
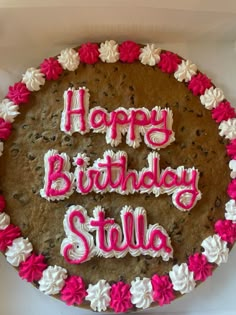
x=80, y=111
x=101, y=223
x=154, y=125
x=110, y=174
x=56, y=173
x=77, y=214
x=133, y=121
x=134, y=229
x=133, y=236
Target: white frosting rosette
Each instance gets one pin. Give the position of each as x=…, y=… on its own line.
x=109, y=51
x=185, y=71
x=182, y=278
x=53, y=280
x=69, y=59
x=4, y=220
x=18, y=251
x=232, y=166
x=8, y=110
x=228, y=128
x=212, y=97
x=215, y=249
x=230, y=208
x=141, y=292
x=150, y=55
x=84, y=157
x=99, y=295
x=33, y=79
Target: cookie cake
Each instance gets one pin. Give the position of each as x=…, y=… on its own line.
x=117, y=179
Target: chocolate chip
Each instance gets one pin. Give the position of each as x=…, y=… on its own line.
x=66, y=138
x=14, y=152
x=218, y=202
x=175, y=261
x=52, y=245
x=210, y=218
x=30, y=156
x=37, y=136
x=22, y=199
x=199, y=115
x=132, y=99
x=148, y=257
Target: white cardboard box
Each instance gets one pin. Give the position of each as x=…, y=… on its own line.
x=203, y=31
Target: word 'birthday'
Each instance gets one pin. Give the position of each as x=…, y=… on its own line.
x=112, y=240
x=110, y=174
x=155, y=125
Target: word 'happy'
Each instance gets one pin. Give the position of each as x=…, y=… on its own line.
x=155, y=125
x=110, y=174
x=112, y=240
